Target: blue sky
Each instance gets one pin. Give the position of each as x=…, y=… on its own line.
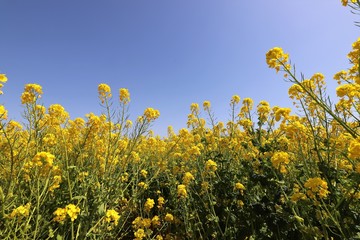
x=168, y=53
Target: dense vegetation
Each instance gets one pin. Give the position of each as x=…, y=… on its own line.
x=267, y=173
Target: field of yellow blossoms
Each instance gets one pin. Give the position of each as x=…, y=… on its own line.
x=267, y=173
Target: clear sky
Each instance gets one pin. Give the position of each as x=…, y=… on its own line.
x=168, y=53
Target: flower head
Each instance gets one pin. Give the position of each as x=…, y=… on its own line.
x=316, y=186
x=73, y=211
x=151, y=114
x=276, y=58
x=21, y=211
x=149, y=204
x=104, y=91
x=31, y=93
x=124, y=95
x=112, y=216
x=181, y=191
x=3, y=78
x=3, y=112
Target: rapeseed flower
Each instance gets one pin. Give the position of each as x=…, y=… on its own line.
x=3, y=78
x=3, y=112
x=60, y=215
x=73, y=211
x=279, y=159
x=235, y=100
x=316, y=186
x=104, y=91
x=206, y=105
x=149, y=204
x=346, y=2
x=151, y=114
x=124, y=95
x=169, y=217
x=240, y=187
x=161, y=202
x=31, y=93
x=112, y=216
x=139, y=234
x=276, y=58
x=57, y=114
x=297, y=195
x=43, y=158
x=21, y=211
x=194, y=108
x=56, y=183
x=210, y=165
x=143, y=173
x=155, y=221
x=354, y=148
x=181, y=191
x=187, y=178
x=143, y=185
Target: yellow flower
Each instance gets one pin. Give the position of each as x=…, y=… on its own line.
x=210, y=165
x=151, y=114
x=161, y=202
x=354, y=148
x=281, y=112
x=316, y=186
x=263, y=110
x=104, y=91
x=43, y=158
x=128, y=123
x=188, y=177
x=349, y=90
x=124, y=95
x=194, y=108
x=279, y=159
x=50, y=139
x=73, y=211
x=149, y=204
x=235, y=99
x=21, y=211
x=246, y=123
x=3, y=78
x=159, y=237
x=60, y=215
x=169, y=217
x=247, y=105
x=143, y=173
x=206, y=105
x=3, y=112
x=346, y=2
x=58, y=114
x=155, y=221
x=296, y=92
x=357, y=168
x=275, y=58
x=143, y=185
x=297, y=195
x=139, y=234
x=56, y=184
x=31, y=93
x=181, y=191
x=112, y=216
x=137, y=223
x=240, y=187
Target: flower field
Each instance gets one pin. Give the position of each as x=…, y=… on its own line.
x=267, y=173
